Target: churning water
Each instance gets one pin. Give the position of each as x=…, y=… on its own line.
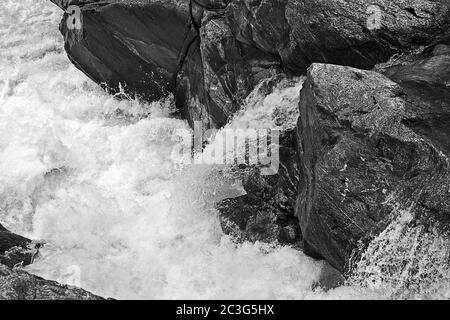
x=96, y=179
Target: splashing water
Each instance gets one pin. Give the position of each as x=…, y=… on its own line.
x=97, y=180
x=407, y=261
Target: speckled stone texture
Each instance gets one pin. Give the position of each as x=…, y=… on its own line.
x=210, y=54
x=368, y=149
x=16, y=284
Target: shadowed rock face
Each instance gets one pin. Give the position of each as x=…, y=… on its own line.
x=363, y=159
x=20, y=285
x=426, y=80
x=370, y=144
x=266, y=212
x=211, y=53
x=350, y=33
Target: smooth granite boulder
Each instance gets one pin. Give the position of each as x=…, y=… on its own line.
x=20, y=285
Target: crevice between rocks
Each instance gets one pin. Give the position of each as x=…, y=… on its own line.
x=185, y=52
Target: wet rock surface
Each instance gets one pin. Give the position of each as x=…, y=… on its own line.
x=426, y=80
x=15, y=284
x=20, y=285
x=210, y=54
x=15, y=249
x=369, y=144
x=266, y=212
x=362, y=162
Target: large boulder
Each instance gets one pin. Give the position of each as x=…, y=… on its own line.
x=370, y=149
x=357, y=33
x=425, y=77
x=369, y=143
x=267, y=212
x=135, y=47
x=211, y=53
x=15, y=284
x=20, y=285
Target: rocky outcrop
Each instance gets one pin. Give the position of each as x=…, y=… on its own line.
x=370, y=143
x=133, y=47
x=211, y=53
x=20, y=285
x=15, y=249
x=266, y=212
x=353, y=33
x=370, y=148
x=16, y=284
x=425, y=77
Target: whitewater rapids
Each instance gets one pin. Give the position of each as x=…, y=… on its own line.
x=95, y=178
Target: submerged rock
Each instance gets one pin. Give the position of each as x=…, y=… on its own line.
x=266, y=212
x=363, y=160
x=426, y=80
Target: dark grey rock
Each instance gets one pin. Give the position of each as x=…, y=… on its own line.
x=211, y=53
x=15, y=284
x=301, y=32
x=426, y=80
x=368, y=144
x=139, y=46
x=361, y=161
x=15, y=249
x=20, y=285
x=266, y=212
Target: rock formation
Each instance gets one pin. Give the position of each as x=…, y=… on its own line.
x=211, y=53
x=16, y=284
x=370, y=148
x=20, y=285
x=369, y=143
x=15, y=249
x=266, y=212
